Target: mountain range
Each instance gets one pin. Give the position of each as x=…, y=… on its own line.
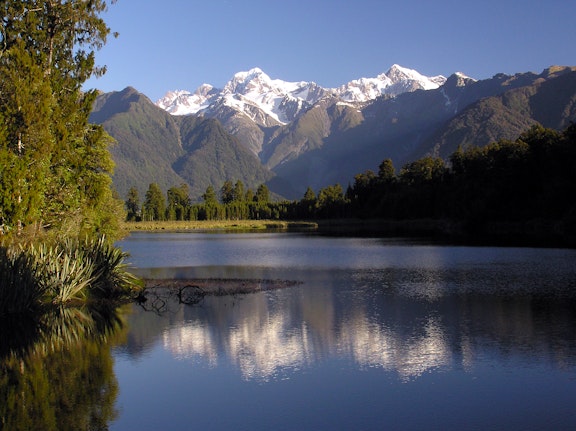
x=291, y=135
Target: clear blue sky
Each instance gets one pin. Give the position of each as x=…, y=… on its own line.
x=181, y=44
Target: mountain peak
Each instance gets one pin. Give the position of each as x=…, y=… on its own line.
x=459, y=79
x=253, y=90
x=397, y=70
x=245, y=76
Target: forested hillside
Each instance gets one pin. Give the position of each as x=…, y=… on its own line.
x=522, y=189
x=331, y=141
x=153, y=146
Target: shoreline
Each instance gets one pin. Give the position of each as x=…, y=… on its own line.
x=536, y=233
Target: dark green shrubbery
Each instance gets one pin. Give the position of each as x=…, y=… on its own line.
x=43, y=275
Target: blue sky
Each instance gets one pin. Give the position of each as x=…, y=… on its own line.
x=181, y=44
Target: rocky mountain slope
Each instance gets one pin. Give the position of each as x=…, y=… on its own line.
x=295, y=135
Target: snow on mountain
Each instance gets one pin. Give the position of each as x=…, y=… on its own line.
x=279, y=99
x=182, y=102
x=253, y=93
x=396, y=81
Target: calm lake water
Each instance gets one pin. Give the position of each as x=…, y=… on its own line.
x=378, y=334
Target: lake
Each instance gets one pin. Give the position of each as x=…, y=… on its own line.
x=378, y=333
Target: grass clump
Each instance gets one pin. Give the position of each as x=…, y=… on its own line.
x=73, y=271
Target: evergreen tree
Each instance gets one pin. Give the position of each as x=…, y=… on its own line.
x=330, y=196
x=133, y=205
x=55, y=166
x=309, y=196
x=262, y=194
x=227, y=192
x=154, y=206
x=386, y=171
x=178, y=201
x=308, y=203
x=421, y=171
x=239, y=191
x=209, y=196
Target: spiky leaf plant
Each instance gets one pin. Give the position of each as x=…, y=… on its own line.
x=111, y=278
x=62, y=273
x=19, y=291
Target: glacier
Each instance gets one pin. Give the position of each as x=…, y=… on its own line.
x=282, y=101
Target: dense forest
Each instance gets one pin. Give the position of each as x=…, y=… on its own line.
x=58, y=213
x=530, y=179
x=55, y=167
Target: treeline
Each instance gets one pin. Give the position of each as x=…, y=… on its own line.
x=531, y=178
x=231, y=202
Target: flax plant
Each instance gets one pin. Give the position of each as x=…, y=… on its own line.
x=62, y=273
x=19, y=290
x=110, y=276
x=65, y=273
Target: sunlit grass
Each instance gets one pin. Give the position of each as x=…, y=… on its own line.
x=217, y=225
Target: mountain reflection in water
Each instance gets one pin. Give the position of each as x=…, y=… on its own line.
x=401, y=320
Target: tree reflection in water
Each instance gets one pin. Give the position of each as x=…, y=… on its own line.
x=56, y=370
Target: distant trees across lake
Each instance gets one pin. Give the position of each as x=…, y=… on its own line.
x=531, y=178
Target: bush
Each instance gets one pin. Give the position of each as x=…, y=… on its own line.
x=72, y=271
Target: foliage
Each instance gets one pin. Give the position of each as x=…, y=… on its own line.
x=40, y=275
x=133, y=205
x=227, y=192
x=56, y=373
x=63, y=274
x=262, y=194
x=178, y=202
x=154, y=206
x=55, y=166
x=19, y=290
x=532, y=178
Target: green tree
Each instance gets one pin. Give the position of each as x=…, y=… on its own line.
x=309, y=196
x=331, y=195
x=386, y=171
x=209, y=196
x=178, y=201
x=56, y=168
x=239, y=191
x=227, y=192
x=154, y=207
x=262, y=194
x=133, y=204
x=424, y=170
x=331, y=201
x=308, y=203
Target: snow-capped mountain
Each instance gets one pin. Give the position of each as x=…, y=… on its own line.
x=182, y=102
x=256, y=95
x=247, y=92
x=396, y=81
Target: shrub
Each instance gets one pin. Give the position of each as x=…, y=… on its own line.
x=71, y=271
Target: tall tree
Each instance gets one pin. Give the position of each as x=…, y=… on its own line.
x=56, y=168
x=262, y=194
x=386, y=171
x=133, y=204
x=239, y=191
x=178, y=201
x=209, y=196
x=227, y=192
x=154, y=205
